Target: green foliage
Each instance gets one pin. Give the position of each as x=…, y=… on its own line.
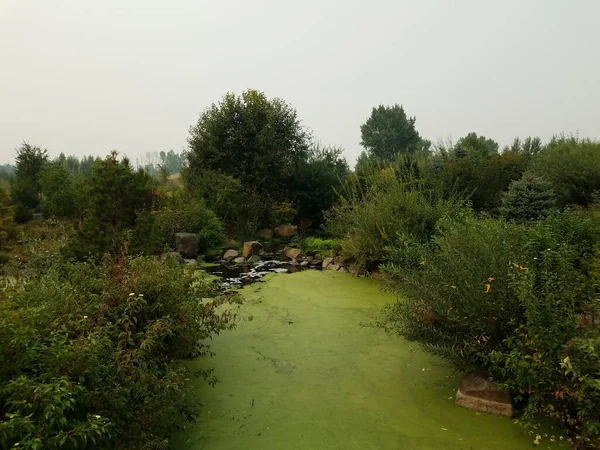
x=511, y=298
x=256, y=140
x=572, y=165
x=395, y=207
x=116, y=195
x=474, y=168
x=311, y=244
x=88, y=353
x=25, y=185
x=7, y=226
x=156, y=229
x=389, y=131
x=58, y=196
x=318, y=179
x=171, y=162
x=530, y=198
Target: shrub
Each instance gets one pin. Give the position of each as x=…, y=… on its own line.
x=58, y=196
x=390, y=207
x=88, y=355
x=572, y=165
x=518, y=300
x=530, y=198
x=190, y=216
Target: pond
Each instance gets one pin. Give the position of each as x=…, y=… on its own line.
x=307, y=369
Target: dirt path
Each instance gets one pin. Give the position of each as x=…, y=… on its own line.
x=302, y=372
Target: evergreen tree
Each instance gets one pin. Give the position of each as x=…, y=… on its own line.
x=116, y=195
x=26, y=181
x=58, y=197
x=530, y=198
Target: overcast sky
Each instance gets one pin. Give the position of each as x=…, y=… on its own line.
x=85, y=77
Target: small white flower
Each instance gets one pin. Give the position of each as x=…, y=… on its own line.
x=85, y=317
x=98, y=417
x=140, y=295
x=131, y=294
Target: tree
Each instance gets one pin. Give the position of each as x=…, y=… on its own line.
x=258, y=140
x=26, y=182
x=317, y=180
x=389, y=131
x=530, y=198
x=116, y=195
x=58, y=197
x=472, y=144
x=171, y=162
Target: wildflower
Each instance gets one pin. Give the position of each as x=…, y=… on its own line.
x=85, y=317
x=490, y=279
x=131, y=294
x=488, y=288
x=453, y=287
x=538, y=438
x=423, y=262
x=140, y=295
x=97, y=416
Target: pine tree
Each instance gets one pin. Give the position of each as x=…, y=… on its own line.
x=529, y=198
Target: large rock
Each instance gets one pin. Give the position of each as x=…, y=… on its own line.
x=265, y=234
x=285, y=230
x=294, y=254
x=187, y=244
x=251, y=248
x=477, y=392
x=327, y=262
x=333, y=267
x=230, y=254
x=240, y=261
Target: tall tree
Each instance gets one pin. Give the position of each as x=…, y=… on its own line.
x=389, y=131
x=26, y=181
x=117, y=194
x=58, y=197
x=258, y=140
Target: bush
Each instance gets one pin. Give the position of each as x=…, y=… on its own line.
x=58, y=196
x=530, y=198
x=189, y=216
x=518, y=300
x=88, y=355
x=389, y=209
x=572, y=165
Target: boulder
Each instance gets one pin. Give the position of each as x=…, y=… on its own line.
x=190, y=262
x=285, y=230
x=187, y=244
x=294, y=254
x=230, y=254
x=327, y=262
x=342, y=269
x=333, y=267
x=265, y=234
x=239, y=261
x=254, y=259
x=316, y=262
x=304, y=264
x=477, y=392
x=251, y=248
x=354, y=270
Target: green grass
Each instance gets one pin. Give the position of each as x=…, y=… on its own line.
x=304, y=369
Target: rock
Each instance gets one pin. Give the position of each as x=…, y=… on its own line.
x=316, y=262
x=254, y=259
x=285, y=230
x=251, y=248
x=294, y=254
x=265, y=234
x=354, y=271
x=309, y=258
x=342, y=269
x=190, y=262
x=327, y=262
x=187, y=244
x=478, y=393
x=304, y=264
x=230, y=254
x=305, y=224
x=239, y=261
x=333, y=267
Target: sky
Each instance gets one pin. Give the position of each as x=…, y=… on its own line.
x=87, y=77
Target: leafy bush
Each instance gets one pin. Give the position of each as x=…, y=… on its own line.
x=58, y=196
x=189, y=216
x=317, y=245
x=530, y=198
x=518, y=300
x=88, y=354
x=396, y=207
x=572, y=165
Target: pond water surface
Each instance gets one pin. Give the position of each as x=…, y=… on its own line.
x=306, y=369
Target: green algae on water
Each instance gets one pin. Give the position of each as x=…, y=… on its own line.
x=304, y=369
